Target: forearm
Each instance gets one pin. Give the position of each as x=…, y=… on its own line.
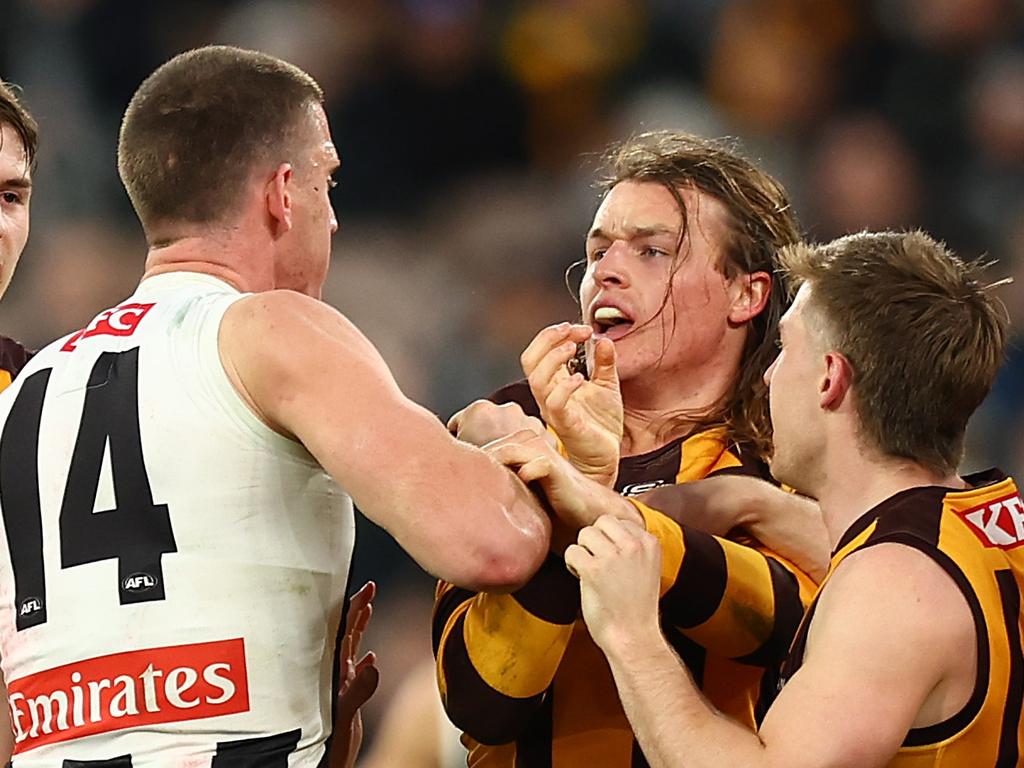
x=789, y=524
x=674, y=724
x=482, y=529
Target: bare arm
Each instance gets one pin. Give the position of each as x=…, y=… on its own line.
x=309, y=373
x=875, y=666
x=786, y=523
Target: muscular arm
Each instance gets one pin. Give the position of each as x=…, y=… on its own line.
x=877, y=664
x=309, y=373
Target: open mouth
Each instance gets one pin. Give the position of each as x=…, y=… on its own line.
x=611, y=322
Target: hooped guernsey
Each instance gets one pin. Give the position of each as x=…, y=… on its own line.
x=977, y=537
x=521, y=676
x=172, y=571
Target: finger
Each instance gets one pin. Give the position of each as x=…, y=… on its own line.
x=596, y=541
x=560, y=394
x=535, y=425
x=455, y=421
x=369, y=659
x=550, y=370
x=549, y=338
x=527, y=438
x=363, y=597
x=619, y=528
x=535, y=469
x=360, y=628
x=577, y=559
x=359, y=691
x=511, y=455
x=605, y=371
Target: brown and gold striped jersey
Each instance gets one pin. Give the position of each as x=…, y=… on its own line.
x=13, y=357
x=977, y=537
x=521, y=676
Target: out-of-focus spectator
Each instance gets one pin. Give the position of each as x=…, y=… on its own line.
x=862, y=176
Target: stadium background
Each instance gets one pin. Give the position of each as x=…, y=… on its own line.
x=467, y=131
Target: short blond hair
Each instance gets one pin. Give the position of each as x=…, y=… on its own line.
x=924, y=335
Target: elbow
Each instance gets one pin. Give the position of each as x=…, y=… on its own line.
x=504, y=566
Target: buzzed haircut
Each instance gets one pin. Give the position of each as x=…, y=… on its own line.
x=201, y=124
x=923, y=333
x=760, y=222
x=14, y=114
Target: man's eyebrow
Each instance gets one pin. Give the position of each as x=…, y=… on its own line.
x=599, y=234
x=19, y=182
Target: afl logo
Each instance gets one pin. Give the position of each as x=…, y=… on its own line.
x=29, y=606
x=139, y=582
x=637, y=488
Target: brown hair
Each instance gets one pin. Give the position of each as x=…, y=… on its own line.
x=200, y=125
x=923, y=335
x=14, y=114
x=760, y=222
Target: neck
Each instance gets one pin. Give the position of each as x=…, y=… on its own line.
x=661, y=406
x=851, y=488
x=221, y=257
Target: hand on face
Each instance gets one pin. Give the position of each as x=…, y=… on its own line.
x=482, y=422
x=586, y=415
x=619, y=567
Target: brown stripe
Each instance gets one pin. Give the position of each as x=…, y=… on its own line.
x=787, y=615
x=553, y=594
x=1009, y=749
x=444, y=606
x=487, y=715
x=533, y=748
x=700, y=585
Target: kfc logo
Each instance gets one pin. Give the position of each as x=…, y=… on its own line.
x=120, y=321
x=998, y=523
x=128, y=690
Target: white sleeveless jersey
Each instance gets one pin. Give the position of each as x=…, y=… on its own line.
x=172, y=571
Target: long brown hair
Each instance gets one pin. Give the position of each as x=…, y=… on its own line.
x=760, y=222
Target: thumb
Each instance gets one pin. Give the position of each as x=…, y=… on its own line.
x=360, y=689
x=605, y=371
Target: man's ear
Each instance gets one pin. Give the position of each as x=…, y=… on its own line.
x=835, y=385
x=750, y=295
x=279, y=198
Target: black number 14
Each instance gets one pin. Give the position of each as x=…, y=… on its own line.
x=136, y=532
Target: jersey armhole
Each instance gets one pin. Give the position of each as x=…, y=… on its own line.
x=955, y=724
x=216, y=386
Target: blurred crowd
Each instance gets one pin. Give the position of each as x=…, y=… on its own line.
x=469, y=133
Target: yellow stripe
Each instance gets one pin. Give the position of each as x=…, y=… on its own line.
x=703, y=454
x=5, y=379
x=670, y=536
x=499, y=634
x=744, y=618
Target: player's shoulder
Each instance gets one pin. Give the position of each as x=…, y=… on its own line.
x=893, y=582
x=281, y=314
